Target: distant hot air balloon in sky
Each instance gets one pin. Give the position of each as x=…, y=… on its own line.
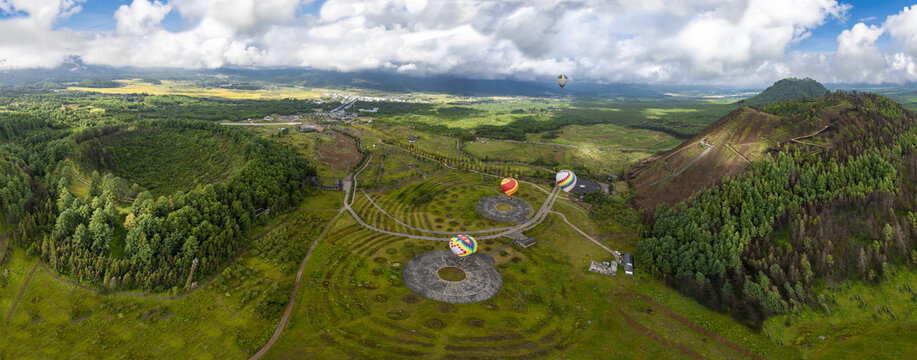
x=566, y=180
x=561, y=80
x=509, y=186
x=463, y=245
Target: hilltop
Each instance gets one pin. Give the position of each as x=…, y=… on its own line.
x=788, y=89
x=827, y=197
x=726, y=148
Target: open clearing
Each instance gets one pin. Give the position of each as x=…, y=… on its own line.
x=608, y=136
x=342, y=155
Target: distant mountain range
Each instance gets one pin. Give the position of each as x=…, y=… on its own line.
x=74, y=70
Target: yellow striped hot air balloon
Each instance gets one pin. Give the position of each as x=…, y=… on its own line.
x=509, y=186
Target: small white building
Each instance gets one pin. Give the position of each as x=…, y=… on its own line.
x=604, y=268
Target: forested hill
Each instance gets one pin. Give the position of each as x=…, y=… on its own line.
x=838, y=123
x=838, y=205
x=788, y=89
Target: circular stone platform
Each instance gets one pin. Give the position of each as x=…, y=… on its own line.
x=504, y=208
x=481, y=282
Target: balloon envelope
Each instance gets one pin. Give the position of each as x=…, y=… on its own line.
x=509, y=186
x=566, y=180
x=561, y=80
x=463, y=245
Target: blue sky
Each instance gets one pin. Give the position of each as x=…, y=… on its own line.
x=824, y=38
x=740, y=42
x=98, y=15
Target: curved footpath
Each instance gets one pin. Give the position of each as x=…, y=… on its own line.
x=289, y=310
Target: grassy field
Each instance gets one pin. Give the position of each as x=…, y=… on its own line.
x=305, y=144
x=608, y=136
x=161, y=160
x=228, y=319
x=451, y=206
x=881, y=318
x=594, y=162
x=425, y=140
x=495, y=111
x=391, y=167
x=354, y=304
x=676, y=117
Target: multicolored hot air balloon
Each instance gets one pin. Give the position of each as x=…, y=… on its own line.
x=509, y=186
x=561, y=80
x=463, y=245
x=566, y=180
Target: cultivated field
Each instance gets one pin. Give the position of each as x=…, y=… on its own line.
x=188, y=88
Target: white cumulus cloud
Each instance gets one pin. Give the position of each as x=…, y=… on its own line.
x=140, y=16
x=691, y=41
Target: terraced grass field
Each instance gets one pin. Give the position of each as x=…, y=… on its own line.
x=451, y=207
x=354, y=305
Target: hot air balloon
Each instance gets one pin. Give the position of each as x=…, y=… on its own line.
x=561, y=80
x=509, y=186
x=566, y=180
x=463, y=245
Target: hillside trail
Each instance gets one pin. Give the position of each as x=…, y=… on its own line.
x=685, y=321
x=730, y=147
x=653, y=335
x=562, y=216
x=708, y=146
x=21, y=292
x=799, y=141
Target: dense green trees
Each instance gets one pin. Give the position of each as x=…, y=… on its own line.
x=788, y=89
x=755, y=244
x=153, y=245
